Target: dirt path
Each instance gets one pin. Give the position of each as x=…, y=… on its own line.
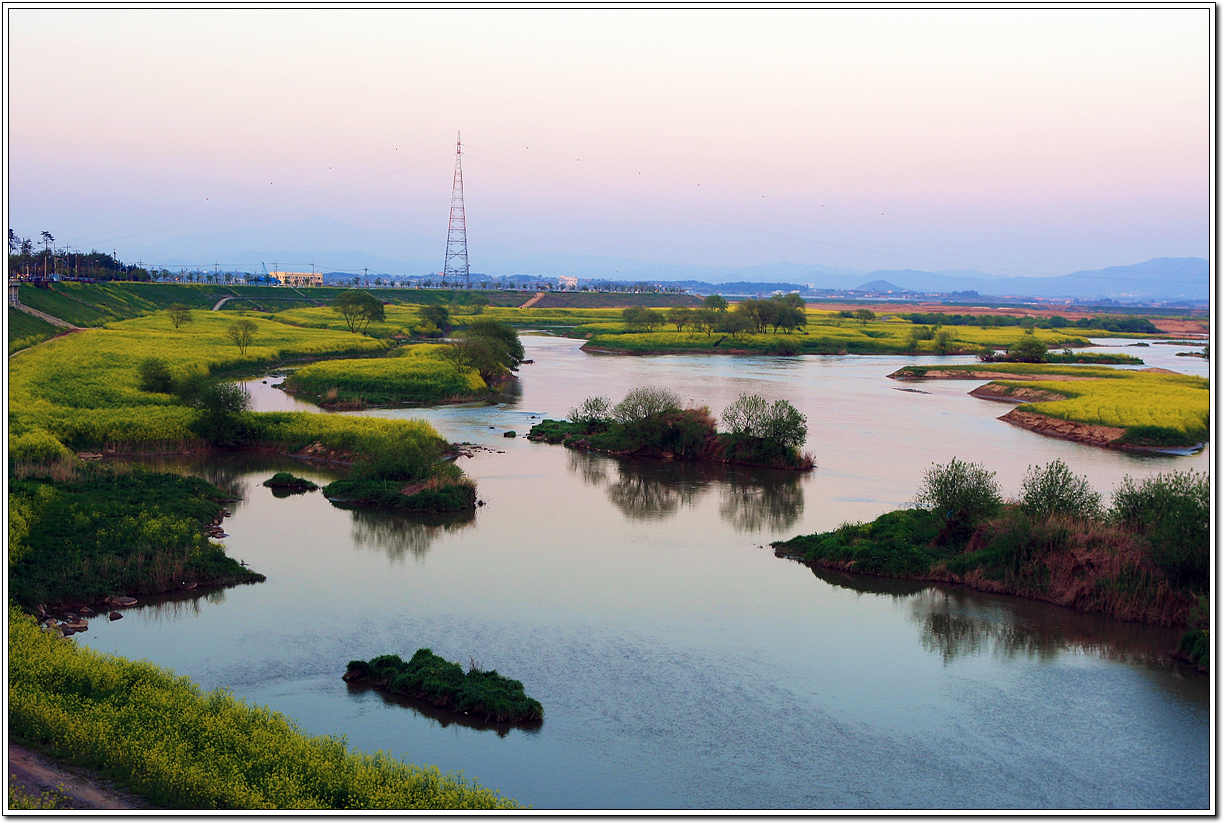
x=532, y=301
x=78, y=788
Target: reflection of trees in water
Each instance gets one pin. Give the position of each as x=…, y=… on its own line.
x=235, y=471
x=405, y=534
x=164, y=609
x=750, y=498
x=955, y=621
x=592, y=467
x=775, y=503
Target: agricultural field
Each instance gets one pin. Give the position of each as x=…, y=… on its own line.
x=415, y=374
x=25, y=330
x=187, y=749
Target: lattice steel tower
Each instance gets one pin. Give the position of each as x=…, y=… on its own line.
x=456, y=236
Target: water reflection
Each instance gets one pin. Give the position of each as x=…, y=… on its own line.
x=235, y=471
x=750, y=498
x=400, y=535
x=956, y=622
x=441, y=717
x=174, y=606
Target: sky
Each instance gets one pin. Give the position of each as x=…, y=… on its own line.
x=1011, y=141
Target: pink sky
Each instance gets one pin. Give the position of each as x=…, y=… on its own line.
x=1006, y=140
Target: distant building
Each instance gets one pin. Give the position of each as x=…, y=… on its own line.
x=568, y=282
x=299, y=278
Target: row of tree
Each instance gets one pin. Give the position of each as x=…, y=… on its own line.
x=783, y=312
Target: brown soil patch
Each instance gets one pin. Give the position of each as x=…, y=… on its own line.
x=1069, y=430
x=1015, y=394
x=318, y=452
x=1160, y=370
x=79, y=789
x=1181, y=327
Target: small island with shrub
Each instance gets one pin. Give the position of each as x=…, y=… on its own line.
x=650, y=422
x=1144, y=558
x=442, y=683
x=286, y=482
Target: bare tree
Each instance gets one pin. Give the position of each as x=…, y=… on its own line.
x=179, y=314
x=242, y=332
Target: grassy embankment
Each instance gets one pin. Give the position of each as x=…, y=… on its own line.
x=444, y=684
x=93, y=532
x=826, y=333
x=1144, y=558
x=183, y=748
x=413, y=374
x=1150, y=409
x=25, y=330
x=81, y=392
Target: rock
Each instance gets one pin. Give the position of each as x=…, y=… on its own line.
x=79, y=625
x=124, y=601
x=86, y=611
x=190, y=586
x=115, y=616
x=41, y=610
x=510, y=433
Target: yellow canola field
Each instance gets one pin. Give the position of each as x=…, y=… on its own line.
x=1155, y=409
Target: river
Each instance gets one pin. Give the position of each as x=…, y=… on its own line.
x=679, y=662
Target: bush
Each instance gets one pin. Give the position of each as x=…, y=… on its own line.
x=593, y=411
x=960, y=493
x=1172, y=510
x=37, y=446
x=645, y=402
x=780, y=422
x=155, y=376
x=1029, y=349
x=1053, y=489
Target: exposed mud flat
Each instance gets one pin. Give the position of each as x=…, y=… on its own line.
x=1015, y=394
x=1092, y=434
x=983, y=375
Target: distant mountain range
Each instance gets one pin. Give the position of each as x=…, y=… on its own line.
x=333, y=246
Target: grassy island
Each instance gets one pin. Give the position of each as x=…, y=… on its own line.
x=649, y=422
x=416, y=374
x=444, y=684
x=1099, y=405
x=287, y=482
x=183, y=748
x=1144, y=558
x=92, y=532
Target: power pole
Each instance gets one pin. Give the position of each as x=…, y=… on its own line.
x=456, y=235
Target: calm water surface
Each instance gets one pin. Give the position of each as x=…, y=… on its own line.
x=680, y=664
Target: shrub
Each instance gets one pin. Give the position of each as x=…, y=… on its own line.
x=155, y=376
x=37, y=446
x=1172, y=510
x=1053, y=489
x=1027, y=350
x=593, y=411
x=780, y=422
x=960, y=493
x=645, y=402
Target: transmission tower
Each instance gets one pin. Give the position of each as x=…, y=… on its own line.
x=456, y=236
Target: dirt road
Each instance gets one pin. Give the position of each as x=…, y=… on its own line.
x=79, y=789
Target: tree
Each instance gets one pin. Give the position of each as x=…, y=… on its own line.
x=509, y=347
x=179, y=314
x=704, y=320
x=864, y=315
x=242, y=332
x=436, y=314
x=645, y=402
x=716, y=302
x=1027, y=350
x=47, y=240
x=359, y=309
x=155, y=376
x=736, y=323
x=681, y=316
x=14, y=242
x=640, y=317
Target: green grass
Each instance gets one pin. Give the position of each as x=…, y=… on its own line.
x=25, y=330
x=289, y=481
x=183, y=748
x=444, y=684
x=439, y=494
x=416, y=374
x=104, y=532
